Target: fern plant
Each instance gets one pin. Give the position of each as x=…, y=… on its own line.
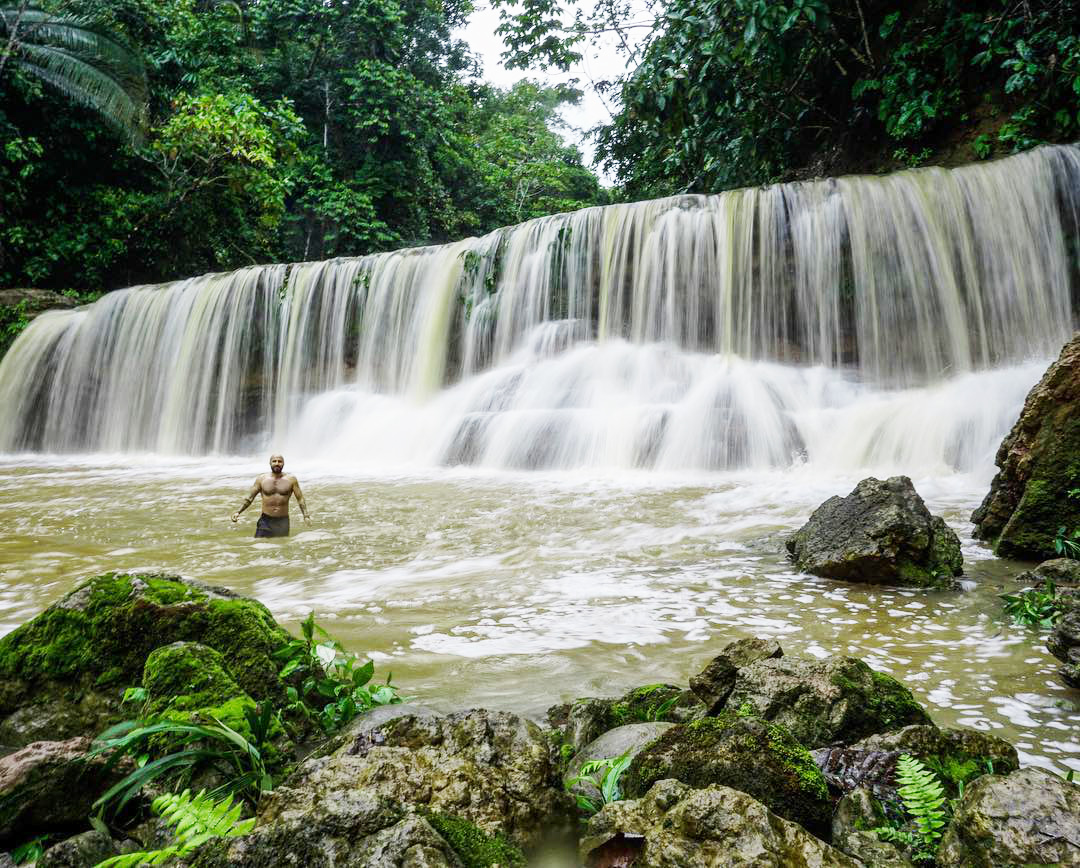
x=196, y=819
x=924, y=803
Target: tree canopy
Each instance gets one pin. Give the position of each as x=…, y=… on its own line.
x=277, y=130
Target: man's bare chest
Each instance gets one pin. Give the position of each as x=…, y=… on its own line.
x=270, y=486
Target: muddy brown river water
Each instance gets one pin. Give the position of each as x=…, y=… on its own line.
x=518, y=591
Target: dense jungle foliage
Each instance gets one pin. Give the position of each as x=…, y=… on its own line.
x=305, y=129
x=725, y=93
x=273, y=130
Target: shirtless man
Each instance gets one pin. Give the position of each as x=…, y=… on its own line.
x=276, y=488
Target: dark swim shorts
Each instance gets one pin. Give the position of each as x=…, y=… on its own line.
x=272, y=525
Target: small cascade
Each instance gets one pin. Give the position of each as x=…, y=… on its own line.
x=855, y=322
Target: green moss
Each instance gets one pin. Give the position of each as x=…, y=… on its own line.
x=892, y=703
x=798, y=761
x=474, y=847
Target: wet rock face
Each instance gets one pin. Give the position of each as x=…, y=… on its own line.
x=1038, y=464
x=1062, y=572
x=50, y=786
x=856, y=816
x=881, y=533
x=744, y=753
x=491, y=769
x=585, y=720
x=838, y=700
x=1064, y=643
x=1031, y=817
x=63, y=673
x=713, y=685
x=675, y=825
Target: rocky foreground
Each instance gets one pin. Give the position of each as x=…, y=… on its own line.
x=764, y=759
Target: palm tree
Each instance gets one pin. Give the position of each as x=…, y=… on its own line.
x=78, y=58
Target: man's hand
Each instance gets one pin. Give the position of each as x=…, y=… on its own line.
x=235, y=517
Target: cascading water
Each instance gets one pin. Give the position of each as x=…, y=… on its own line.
x=858, y=322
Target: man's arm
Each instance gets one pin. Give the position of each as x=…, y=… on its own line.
x=255, y=488
x=299, y=497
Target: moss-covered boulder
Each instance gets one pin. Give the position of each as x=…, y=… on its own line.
x=1030, y=817
x=957, y=755
x=715, y=682
x=882, y=534
x=623, y=741
x=716, y=827
x=63, y=673
x=189, y=681
x=744, y=753
x=838, y=700
x=1038, y=465
x=584, y=720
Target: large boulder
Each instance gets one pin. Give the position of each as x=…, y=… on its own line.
x=1038, y=465
x=881, y=533
x=838, y=700
x=585, y=720
x=84, y=850
x=493, y=770
x=747, y=754
x=673, y=825
x=51, y=786
x=1030, y=817
x=63, y=674
x=358, y=828
x=713, y=685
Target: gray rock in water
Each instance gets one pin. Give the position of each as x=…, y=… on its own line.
x=1031, y=817
x=717, y=827
x=838, y=700
x=50, y=786
x=745, y=753
x=1064, y=641
x=881, y=533
x=856, y=816
x=628, y=740
x=715, y=682
x=1063, y=572
x=492, y=769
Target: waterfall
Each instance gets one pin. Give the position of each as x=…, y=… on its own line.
x=847, y=322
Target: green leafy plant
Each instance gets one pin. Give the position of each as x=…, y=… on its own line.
x=604, y=775
x=31, y=851
x=1035, y=607
x=335, y=685
x=924, y=804
x=185, y=748
x=1066, y=544
x=196, y=820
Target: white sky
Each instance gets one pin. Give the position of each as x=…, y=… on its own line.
x=598, y=62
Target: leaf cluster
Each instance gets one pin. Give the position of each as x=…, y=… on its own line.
x=603, y=774
x=329, y=685
x=173, y=750
x=1034, y=607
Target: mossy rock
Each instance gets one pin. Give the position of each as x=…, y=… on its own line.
x=187, y=681
x=1039, y=464
x=748, y=754
x=473, y=846
x=586, y=719
x=824, y=702
x=63, y=673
